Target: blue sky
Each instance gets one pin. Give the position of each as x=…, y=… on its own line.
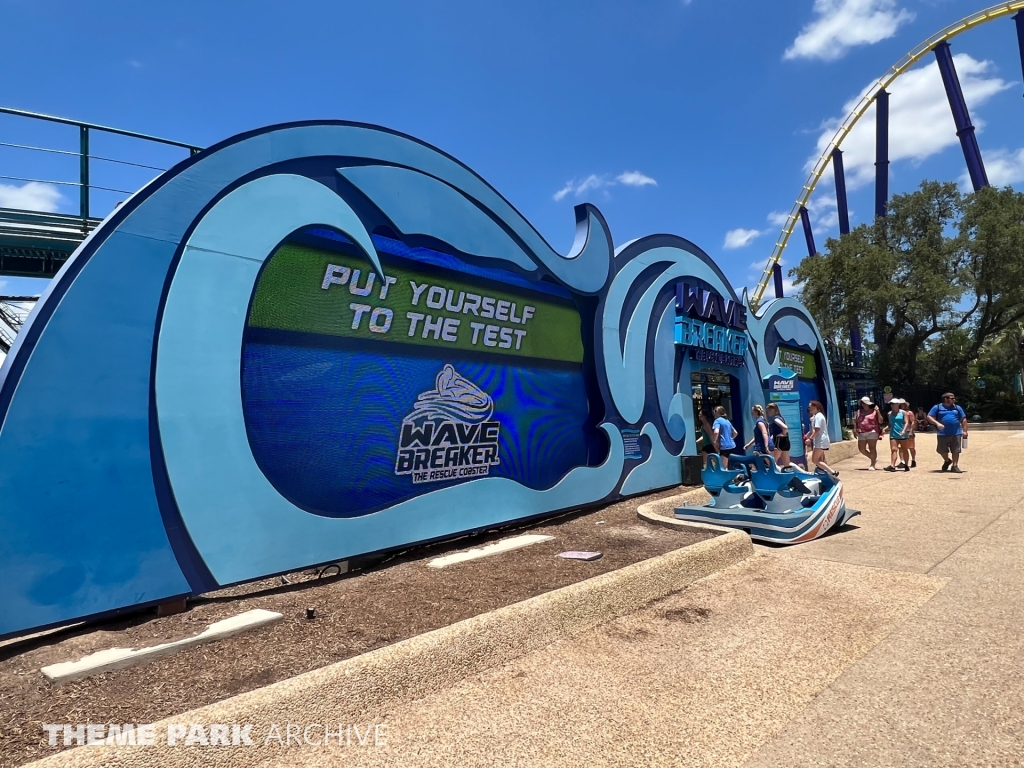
x=694, y=117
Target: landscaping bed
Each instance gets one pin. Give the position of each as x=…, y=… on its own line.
x=380, y=604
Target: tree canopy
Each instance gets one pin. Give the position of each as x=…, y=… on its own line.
x=929, y=284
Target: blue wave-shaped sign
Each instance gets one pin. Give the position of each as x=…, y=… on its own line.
x=319, y=340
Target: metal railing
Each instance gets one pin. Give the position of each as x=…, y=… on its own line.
x=84, y=158
x=842, y=357
x=36, y=243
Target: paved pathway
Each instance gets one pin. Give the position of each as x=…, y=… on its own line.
x=896, y=643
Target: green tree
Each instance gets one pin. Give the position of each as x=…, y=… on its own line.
x=996, y=369
x=930, y=282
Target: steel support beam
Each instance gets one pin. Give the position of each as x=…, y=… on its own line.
x=805, y=219
x=844, y=229
x=1019, y=21
x=777, y=274
x=83, y=171
x=841, y=205
x=881, y=152
x=857, y=345
x=957, y=104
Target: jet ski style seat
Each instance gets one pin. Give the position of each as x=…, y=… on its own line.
x=735, y=494
x=788, y=500
x=805, y=484
x=764, y=473
x=714, y=476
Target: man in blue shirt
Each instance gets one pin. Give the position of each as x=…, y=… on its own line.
x=724, y=435
x=951, y=422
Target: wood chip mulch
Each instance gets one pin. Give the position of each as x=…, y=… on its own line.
x=379, y=604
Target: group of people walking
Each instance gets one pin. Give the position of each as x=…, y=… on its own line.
x=771, y=435
x=902, y=425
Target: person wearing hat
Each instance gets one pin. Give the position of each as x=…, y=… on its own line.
x=868, y=426
x=898, y=432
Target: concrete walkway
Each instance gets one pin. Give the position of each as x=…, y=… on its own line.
x=895, y=643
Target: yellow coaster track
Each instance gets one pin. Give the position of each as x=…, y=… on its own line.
x=901, y=66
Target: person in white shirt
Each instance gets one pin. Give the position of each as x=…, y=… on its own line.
x=817, y=439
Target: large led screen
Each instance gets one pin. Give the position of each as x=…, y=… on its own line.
x=360, y=392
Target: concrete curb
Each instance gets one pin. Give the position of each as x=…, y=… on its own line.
x=665, y=509
x=847, y=449
x=344, y=692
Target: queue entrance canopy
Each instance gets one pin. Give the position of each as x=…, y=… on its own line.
x=329, y=339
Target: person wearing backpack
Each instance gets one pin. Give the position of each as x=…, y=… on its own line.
x=724, y=434
x=951, y=422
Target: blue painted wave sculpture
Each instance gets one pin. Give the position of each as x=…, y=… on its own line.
x=320, y=340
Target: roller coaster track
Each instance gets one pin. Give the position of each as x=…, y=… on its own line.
x=900, y=67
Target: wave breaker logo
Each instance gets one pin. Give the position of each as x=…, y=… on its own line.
x=449, y=435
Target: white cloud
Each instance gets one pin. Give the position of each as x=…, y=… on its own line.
x=592, y=181
x=788, y=287
x=595, y=182
x=563, y=191
x=822, y=211
x=635, y=179
x=844, y=24
x=33, y=196
x=778, y=218
x=740, y=238
x=1003, y=168
x=756, y=269
x=920, y=122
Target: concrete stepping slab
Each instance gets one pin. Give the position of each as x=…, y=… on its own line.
x=505, y=545
x=122, y=658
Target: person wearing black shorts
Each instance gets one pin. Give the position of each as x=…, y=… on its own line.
x=780, y=435
x=704, y=438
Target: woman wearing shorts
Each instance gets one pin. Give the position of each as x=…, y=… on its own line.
x=817, y=439
x=868, y=427
x=724, y=435
x=780, y=436
x=898, y=428
x=704, y=439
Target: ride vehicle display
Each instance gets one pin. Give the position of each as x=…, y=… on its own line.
x=782, y=507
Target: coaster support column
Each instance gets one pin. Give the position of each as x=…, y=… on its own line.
x=881, y=152
x=805, y=219
x=962, y=118
x=842, y=208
